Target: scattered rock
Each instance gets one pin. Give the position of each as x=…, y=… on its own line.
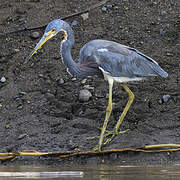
x=3, y=60
x=22, y=93
x=74, y=23
x=7, y=126
x=41, y=75
x=60, y=81
x=77, y=84
x=83, y=81
x=16, y=97
x=104, y=9
x=19, y=95
x=3, y=80
x=73, y=79
x=109, y=6
x=162, y=32
x=88, y=87
x=85, y=16
x=35, y=35
x=21, y=136
x=169, y=54
x=22, y=20
x=20, y=107
x=16, y=50
x=84, y=95
x=165, y=98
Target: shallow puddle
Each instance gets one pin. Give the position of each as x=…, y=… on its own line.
x=90, y=172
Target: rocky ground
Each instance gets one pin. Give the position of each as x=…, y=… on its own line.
x=39, y=102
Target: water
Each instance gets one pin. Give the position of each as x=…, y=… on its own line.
x=102, y=172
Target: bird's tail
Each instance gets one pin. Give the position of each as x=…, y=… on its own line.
x=160, y=71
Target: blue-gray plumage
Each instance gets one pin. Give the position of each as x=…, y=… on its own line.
x=119, y=60
x=105, y=59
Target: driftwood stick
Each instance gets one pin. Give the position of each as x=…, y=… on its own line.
x=159, y=148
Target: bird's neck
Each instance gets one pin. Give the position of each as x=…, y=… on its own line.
x=66, y=46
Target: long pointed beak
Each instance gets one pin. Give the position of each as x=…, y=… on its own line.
x=45, y=38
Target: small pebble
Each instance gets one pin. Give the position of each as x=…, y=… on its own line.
x=3, y=79
x=74, y=23
x=85, y=16
x=109, y=6
x=16, y=50
x=84, y=95
x=88, y=87
x=20, y=107
x=21, y=136
x=83, y=81
x=116, y=7
x=35, y=35
x=162, y=32
x=22, y=93
x=3, y=60
x=169, y=54
x=61, y=81
x=104, y=9
x=22, y=20
x=77, y=84
x=41, y=75
x=7, y=126
x=17, y=98
x=73, y=79
x=165, y=98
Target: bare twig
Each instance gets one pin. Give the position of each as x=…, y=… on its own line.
x=63, y=18
x=146, y=149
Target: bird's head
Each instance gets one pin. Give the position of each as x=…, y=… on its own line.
x=51, y=30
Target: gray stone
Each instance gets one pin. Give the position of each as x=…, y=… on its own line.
x=3, y=60
x=166, y=98
x=104, y=9
x=84, y=95
x=3, y=79
x=61, y=81
x=169, y=54
x=74, y=23
x=35, y=35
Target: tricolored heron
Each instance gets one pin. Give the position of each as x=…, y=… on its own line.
x=102, y=58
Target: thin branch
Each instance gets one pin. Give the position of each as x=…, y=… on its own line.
x=63, y=18
x=146, y=149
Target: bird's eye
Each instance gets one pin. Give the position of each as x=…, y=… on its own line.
x=53, y=30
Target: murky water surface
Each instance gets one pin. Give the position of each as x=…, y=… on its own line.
x=90, y=173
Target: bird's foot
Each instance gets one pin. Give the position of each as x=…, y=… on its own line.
x=108, y=133
x=97, y=137
x=113, y=135
x=97, y=148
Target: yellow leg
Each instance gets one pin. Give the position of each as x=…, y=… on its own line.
x=108, y=113
x=130, y=101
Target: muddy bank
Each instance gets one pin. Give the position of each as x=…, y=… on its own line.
x=39, y=105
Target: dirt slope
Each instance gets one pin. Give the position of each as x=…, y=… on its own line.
x=41, y=112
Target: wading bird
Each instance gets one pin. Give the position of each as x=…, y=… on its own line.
x=106, y=59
